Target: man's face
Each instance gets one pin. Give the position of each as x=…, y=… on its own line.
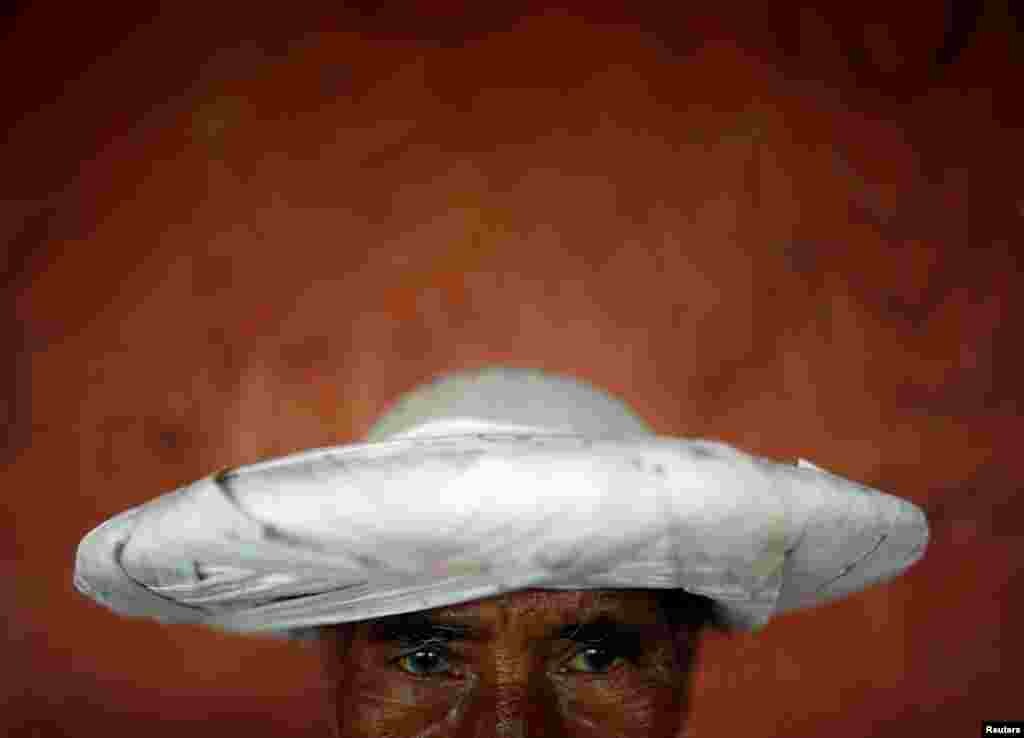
x=534, y=663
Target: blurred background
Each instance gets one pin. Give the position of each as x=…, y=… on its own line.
x=232, y=231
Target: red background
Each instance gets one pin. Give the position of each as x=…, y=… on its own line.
x=230, y=236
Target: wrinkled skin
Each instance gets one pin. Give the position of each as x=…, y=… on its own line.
x=518, y=678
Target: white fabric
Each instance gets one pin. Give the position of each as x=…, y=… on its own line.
x=376, y=529
x=468, y=499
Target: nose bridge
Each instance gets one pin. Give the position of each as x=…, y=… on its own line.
x=515, y=699
x=515, y=708
x=511, y=711
x=516, y=678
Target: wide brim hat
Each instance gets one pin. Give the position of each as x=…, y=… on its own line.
x=491, y=481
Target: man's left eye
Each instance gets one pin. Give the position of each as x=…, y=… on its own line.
x=424, y=662
x=593, y=660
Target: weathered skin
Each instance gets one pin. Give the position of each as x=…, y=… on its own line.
x=516, y=680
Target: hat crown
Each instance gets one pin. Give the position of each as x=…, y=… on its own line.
x=504, y=399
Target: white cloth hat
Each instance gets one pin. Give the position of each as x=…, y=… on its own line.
x=486, y=482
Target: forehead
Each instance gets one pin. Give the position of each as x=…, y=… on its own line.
x=553, y=607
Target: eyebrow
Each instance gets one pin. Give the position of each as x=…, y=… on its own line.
x=601, y=629
x=419, y=628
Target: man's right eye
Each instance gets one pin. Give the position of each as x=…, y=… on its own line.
x=425, y=661
x=593, y=660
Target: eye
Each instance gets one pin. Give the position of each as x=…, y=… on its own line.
x=424, y=661
x=592, y=660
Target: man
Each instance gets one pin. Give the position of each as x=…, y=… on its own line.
x=595, y=663
x=511, y=554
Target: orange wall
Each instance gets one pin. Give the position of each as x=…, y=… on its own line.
x=236, y=237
